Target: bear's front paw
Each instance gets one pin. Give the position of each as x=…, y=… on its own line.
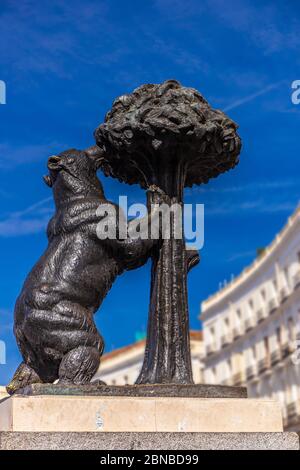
x=156, y=189
x=157, y=195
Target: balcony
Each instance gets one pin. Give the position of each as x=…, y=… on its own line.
x=237, y=379
x=283, y=294
x=210, y=349
x=250, y=372
x=225, y=340
x=249, y=324
x=272, y=306
x=275, y=357
x=237, y=332
x=263, y=365
x=296, y=280
x=287, y=349
x=292, y=413
x=226, y=382
x=261, y=315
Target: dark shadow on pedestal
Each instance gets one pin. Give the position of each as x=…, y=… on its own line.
x=144, y=390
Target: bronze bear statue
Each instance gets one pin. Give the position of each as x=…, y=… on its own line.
x=54, y=314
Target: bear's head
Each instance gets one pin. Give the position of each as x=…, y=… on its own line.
x=72, y=174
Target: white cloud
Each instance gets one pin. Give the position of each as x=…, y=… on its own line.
x=252, y=96
x=268, y=26
x=252, y=187
x=260, y=206
x=240, y=255
x=6, y=321
x=254, y=198
x=14, y=155
x=178, y=9
x=32, y=219
x=23, y=24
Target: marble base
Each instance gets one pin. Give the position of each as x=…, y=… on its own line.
x=148, y=441
x=57, y=413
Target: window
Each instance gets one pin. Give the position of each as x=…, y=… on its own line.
x=213, y=375
x=291, y=329
x=268, y=387
x=263, y=294
x=253, y=353
x=238, y=317
x=126, y=379
x=286, y=276
x=279, y=335
x=252, y=390
x=266, y=348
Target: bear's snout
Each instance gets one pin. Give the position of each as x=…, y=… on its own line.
x=54, y=162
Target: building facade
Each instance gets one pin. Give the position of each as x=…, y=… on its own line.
x=122, y=366
x=3, y=392
x=252, y=326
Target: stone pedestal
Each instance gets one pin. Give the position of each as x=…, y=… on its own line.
x=138, y=414
x=123, y=441
x=157, y=417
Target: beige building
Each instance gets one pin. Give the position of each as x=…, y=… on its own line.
x=252, y=326
x=3, y=392
x=122, y=366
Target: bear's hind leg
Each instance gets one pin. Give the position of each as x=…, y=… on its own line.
x=23, y=376
x=79, y=365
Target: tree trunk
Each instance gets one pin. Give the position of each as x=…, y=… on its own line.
x=167, y=356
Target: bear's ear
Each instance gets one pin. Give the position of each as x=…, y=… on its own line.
x=48, y=180
x=96, y=154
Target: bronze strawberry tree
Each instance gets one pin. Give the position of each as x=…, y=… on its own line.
x=167, y=135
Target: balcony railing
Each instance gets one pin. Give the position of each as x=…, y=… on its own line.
x=283, y=294
x=249, y=324
x=237, y=332
x=275, y=357
x=226, y=382
x=272, y=306
x=210, y=349
x=263, y=365
x=225, y=340
x=250, y=372
x=292, y=410
x=261, y=315
x=296, y=280
x=237, y=379
x=287, y=349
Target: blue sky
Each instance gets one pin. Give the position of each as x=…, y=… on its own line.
x=64, y=62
